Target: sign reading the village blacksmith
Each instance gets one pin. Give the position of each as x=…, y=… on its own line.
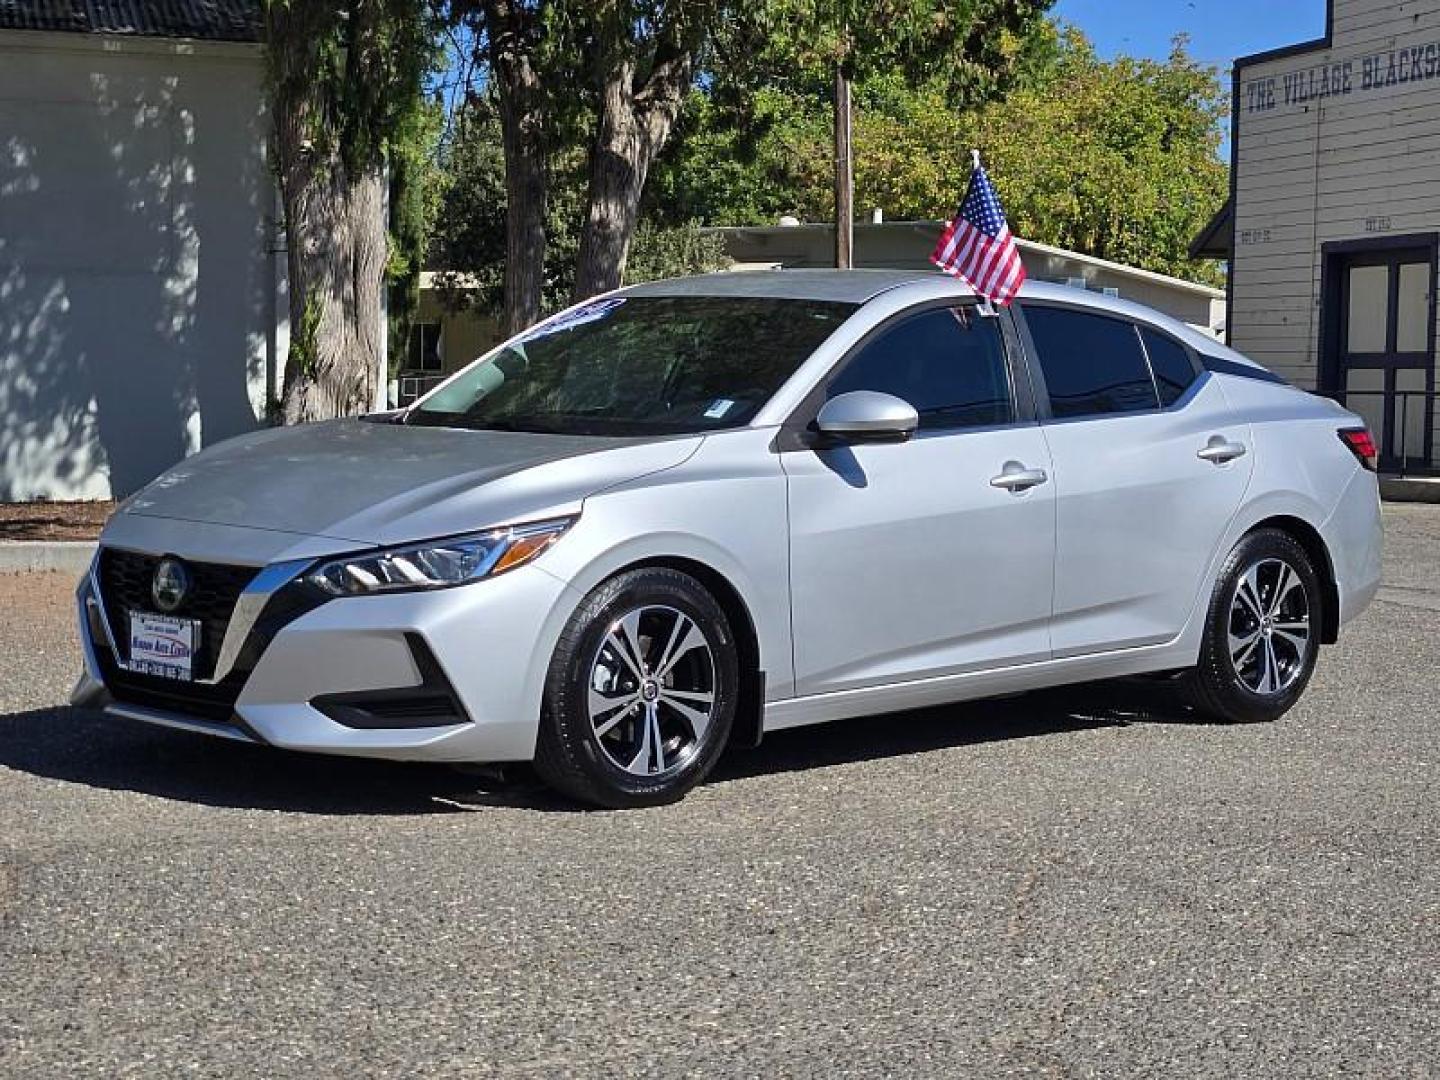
x=1416, y=63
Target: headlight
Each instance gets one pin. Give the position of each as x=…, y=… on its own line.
x=439, y=564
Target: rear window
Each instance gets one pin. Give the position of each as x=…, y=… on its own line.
x=1093, y=364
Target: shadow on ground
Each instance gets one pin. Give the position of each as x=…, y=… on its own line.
x=85, y=747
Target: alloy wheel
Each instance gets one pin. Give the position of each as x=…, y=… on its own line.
x=652, y=690
x=1270, y=633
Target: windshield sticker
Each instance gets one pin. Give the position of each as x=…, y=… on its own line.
x=601, y=309
x=718, y=408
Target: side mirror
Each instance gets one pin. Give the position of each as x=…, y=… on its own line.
x=867, y=416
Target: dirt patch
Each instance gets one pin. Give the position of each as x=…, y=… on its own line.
x=53, y=520
x=48, y=594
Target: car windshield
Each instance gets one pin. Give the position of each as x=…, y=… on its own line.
x=638, y=365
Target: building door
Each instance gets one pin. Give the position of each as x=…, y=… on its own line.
x=1381, y=361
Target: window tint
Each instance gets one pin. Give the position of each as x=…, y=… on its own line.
x=948, y=363
x=638, y=365
x=1171, y=363
x=1092, y=364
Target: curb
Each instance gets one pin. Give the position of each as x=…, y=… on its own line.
x=1409, y=490
x=35, y=556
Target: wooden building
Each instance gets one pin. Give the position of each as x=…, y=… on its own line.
x=1334, y=221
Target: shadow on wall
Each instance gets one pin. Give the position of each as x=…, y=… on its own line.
x=133, y=273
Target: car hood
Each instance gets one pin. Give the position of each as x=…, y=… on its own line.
x=376, y=483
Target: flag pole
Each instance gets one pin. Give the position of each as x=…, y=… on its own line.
x=978, y=247
x=984, y=307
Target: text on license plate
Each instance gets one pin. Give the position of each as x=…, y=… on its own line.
x=163, y=645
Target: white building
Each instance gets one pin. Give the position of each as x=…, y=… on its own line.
x=142, y=306
x=1334, y=225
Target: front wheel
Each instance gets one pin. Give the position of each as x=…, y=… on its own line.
x=641, y=692
x=1262, y=632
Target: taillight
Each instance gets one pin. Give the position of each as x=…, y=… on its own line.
x=1362, y=445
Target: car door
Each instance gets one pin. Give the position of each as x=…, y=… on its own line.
x=1149, y=470
x=922, y=558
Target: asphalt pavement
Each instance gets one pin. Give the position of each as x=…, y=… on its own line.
x=1079, y=883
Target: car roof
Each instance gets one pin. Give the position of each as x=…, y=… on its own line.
x=862, y=286
x=844, y=286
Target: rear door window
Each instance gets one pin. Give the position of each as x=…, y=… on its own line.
x=1093, y=364
x=949, y=363
x=1171, y=363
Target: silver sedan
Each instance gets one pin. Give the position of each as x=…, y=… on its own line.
x=677, y=517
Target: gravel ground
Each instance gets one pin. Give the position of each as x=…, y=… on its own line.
x=1080, y=883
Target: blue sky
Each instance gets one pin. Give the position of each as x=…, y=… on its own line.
x=1219, y=30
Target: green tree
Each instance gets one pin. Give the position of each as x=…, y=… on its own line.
x=639, y=58
x=416, y=187
x=614, y=71
x=468, y=247
x=345, y=85
x=971, y=49
x=1119, y=160
x=1116, y=159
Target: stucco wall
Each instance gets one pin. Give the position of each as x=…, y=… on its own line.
x=138, y=288
x=466, y=334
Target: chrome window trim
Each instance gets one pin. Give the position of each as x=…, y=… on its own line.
x=1181, y=402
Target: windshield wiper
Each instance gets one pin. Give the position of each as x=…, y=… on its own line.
x=528, y=424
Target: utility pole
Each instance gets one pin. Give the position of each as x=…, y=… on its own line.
x=844, y=174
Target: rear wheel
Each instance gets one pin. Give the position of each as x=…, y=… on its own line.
x=1261, y=632
x=641, y=692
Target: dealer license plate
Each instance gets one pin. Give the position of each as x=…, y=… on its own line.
x=163, y=645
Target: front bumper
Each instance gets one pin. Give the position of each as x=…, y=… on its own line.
x=365, y=676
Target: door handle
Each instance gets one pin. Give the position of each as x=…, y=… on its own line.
x=1219, y=450
x=1016, y=479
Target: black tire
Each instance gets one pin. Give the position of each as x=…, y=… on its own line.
x=1218, y=687
x=586, y=758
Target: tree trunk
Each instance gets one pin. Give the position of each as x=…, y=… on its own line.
x=844, y=175
x=336, y=247
x=513, y=32
x=634, y=126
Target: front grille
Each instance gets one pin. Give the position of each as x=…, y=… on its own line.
x=211, y=701
x=125, y=579
x=125, y=585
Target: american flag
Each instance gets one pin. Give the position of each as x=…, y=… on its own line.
x=977, y=245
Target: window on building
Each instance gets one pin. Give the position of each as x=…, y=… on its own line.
x=1170, y=361
x=949, y=363
x=423, y=353
x=1093, y=364
x=1412, y=312
x=1369, y=290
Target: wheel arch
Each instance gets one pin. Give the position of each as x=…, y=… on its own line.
x=750, y=710
x=1309, y=538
